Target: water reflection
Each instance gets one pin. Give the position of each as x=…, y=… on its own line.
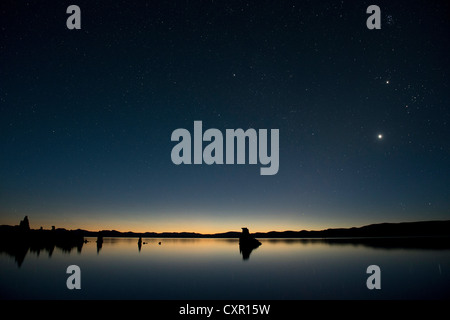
x=18, y=247
x=99, y=243
x=387, y=243
x=17, y=243
x=246, y=251
x=214, y=269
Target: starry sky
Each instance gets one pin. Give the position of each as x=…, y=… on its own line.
x=87, y=115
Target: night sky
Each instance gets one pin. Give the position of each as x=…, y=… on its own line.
x=87, y=115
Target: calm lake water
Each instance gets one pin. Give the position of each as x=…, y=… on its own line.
x=215, y=269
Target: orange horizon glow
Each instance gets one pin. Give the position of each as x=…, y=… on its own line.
x=167, y=227
x=200, y=225
x=199, y=230
x=187, y=228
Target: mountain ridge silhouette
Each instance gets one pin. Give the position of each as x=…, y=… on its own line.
x=385, y=229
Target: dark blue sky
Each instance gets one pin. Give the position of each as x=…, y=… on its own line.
x=87, y=115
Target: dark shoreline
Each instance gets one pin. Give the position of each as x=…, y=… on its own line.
x=391, y=230
x=17, y=241
x=403, y=229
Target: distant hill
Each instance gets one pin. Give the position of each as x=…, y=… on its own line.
x=403, y=229
x=115, y=233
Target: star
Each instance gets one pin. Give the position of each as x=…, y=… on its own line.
x=380, y=136
x=387, y=81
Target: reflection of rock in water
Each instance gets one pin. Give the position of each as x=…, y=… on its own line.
x=99, y=243
x=16, y=249
x=247, y=244
x=16, y=241
x=245, y=251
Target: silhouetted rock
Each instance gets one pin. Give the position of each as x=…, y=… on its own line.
x=247, y=240
x=24, y=224
x=247, y=244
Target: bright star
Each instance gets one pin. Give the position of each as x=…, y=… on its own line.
x=380, y=136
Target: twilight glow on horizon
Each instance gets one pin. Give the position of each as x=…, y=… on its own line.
x=87, y=115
